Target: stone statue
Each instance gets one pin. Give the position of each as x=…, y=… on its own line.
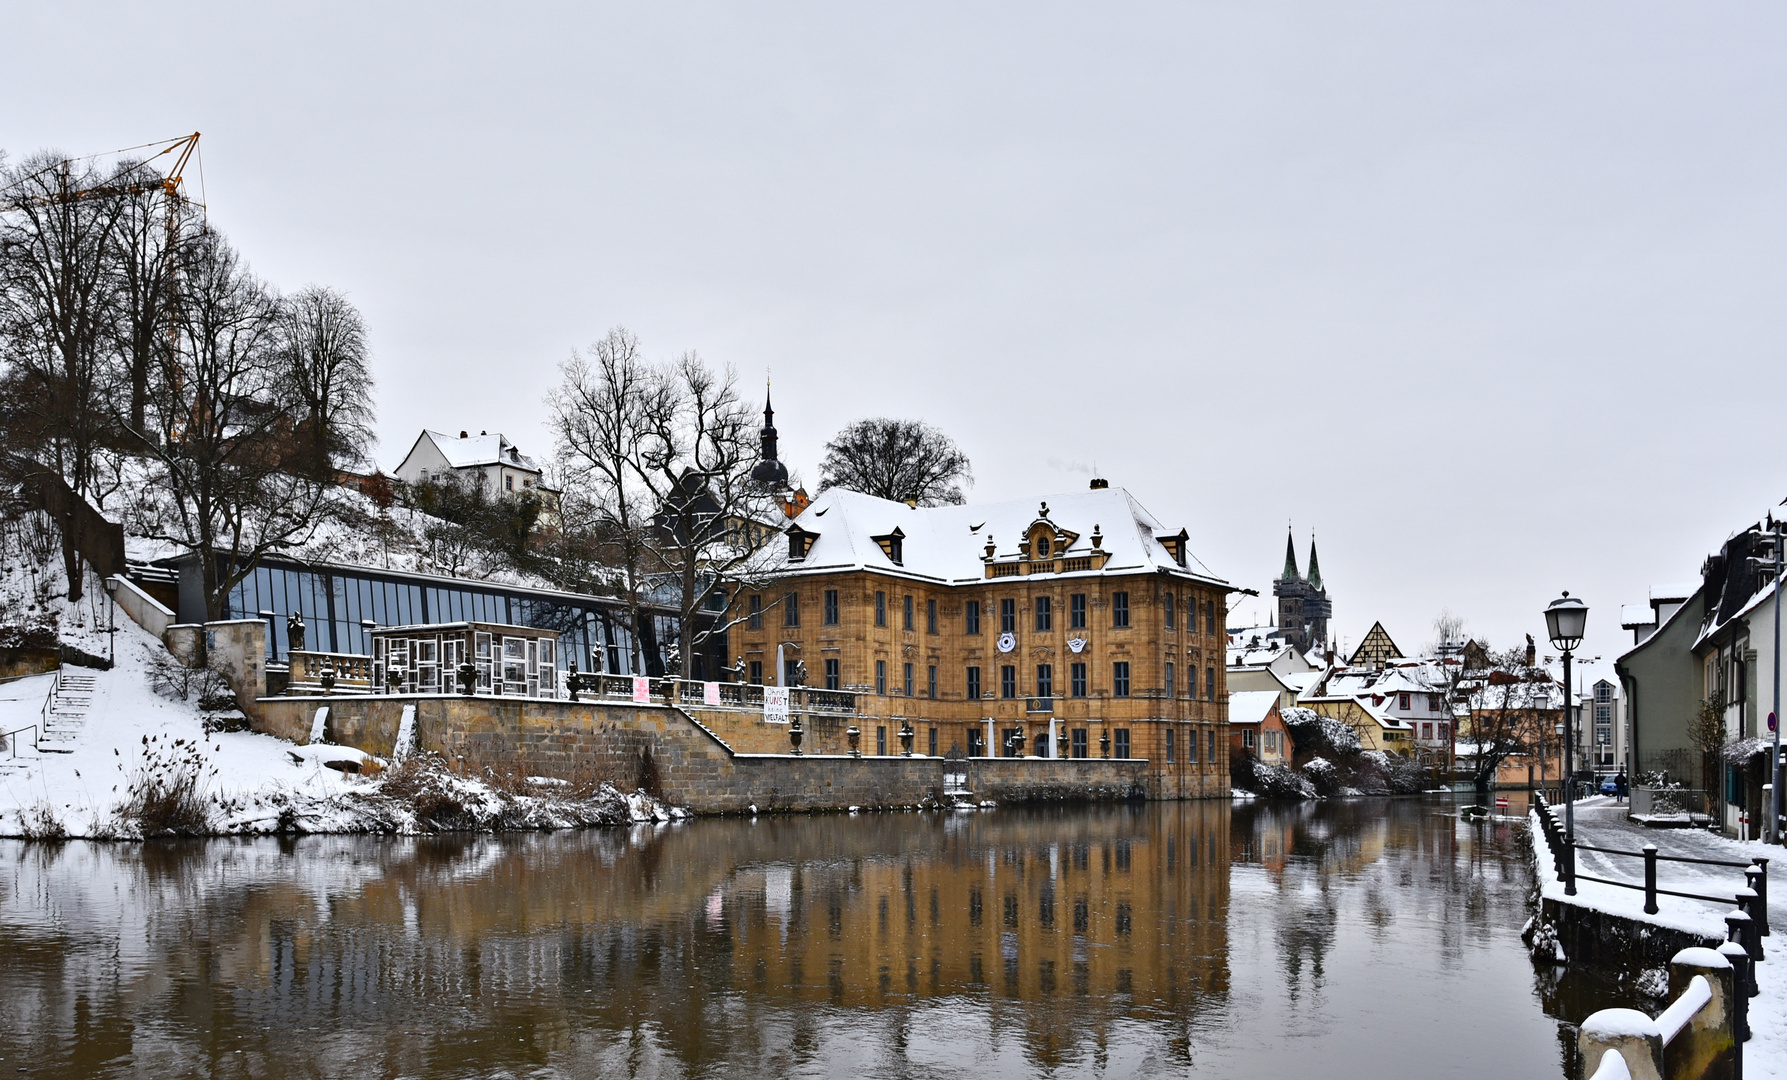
x=294, y=632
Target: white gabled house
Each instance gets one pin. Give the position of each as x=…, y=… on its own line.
x=490, y=460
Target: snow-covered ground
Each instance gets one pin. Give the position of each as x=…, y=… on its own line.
x=1765, y=1055
x=250, y=783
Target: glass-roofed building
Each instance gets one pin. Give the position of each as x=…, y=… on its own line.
x=340, y=604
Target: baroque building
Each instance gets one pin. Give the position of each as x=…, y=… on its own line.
x=1074, y=626
x=1303, y=605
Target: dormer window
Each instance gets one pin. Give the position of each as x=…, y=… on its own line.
x=800, y=541
x=1176, y=545
x=1043, y=546
x=893, y=545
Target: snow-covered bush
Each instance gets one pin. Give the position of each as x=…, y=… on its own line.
x=1279, y=782
x=1323, y=776
x=1320, y=735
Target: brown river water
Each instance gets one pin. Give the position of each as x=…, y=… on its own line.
x=1336, y=940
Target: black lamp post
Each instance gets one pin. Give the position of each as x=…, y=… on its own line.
x=1565, y=618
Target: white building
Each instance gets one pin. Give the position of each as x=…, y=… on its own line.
x=490, y=460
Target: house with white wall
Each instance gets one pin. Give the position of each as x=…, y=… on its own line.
x=490, y=460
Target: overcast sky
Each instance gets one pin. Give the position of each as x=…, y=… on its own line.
x=1489, y=296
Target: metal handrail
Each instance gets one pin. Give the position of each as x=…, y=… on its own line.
x=14, y=746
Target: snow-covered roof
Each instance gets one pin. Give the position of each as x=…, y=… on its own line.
x=1251, y=706
x=480, y=449
x=1673, y=594
x=946, y=543
x=1636, y=615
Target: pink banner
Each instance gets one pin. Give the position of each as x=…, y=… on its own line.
x=642, y=690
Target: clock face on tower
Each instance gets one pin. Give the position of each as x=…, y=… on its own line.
x=1008, y=641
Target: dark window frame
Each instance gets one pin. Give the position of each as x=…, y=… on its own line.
x=1077, y=684
x=831, y=607
x=971, y=617
x=1120, y=610
x=1076, y=611
x=1120, y=678
x=1008, y=682
x=880, y=608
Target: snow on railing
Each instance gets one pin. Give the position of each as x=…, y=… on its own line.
x=1700, y=1034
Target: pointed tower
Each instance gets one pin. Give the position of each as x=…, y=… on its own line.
x=1290, y=558
x=1317, y=609
x=769, y=473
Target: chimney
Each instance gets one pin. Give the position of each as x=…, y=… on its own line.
x=463, y=435
x=1099, y=483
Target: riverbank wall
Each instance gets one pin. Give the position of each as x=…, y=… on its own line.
x=1617, y=943
x=670, y=754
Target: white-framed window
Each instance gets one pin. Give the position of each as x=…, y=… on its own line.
x=514, y=666
x=482, y=648
x=426, y=652
x=1247, y=738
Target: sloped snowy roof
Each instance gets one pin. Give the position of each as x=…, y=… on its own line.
x=1675, y=593
x=482, y=449
x=1251, y=706
x=1634, y=615
x=945, y=543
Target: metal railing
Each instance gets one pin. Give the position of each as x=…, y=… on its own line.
x=12, y=745
x=1752, y=899
x=1653, y=802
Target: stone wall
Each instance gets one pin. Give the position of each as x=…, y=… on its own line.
x=668, y=753
x=146, y=611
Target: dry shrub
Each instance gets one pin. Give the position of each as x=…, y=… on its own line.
x=41, y=823
x=423, y=783
x=167, y=795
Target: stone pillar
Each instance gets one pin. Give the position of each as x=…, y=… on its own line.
x=1704, y=1047
x=1633, y=1034
x=237, y=650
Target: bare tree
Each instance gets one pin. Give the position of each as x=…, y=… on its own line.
x=713, y=523
x=323, y=350
x=1706, y=733
x=1510, y=714
x=902, y=460
x=58, y=242
x=601, y=415
x=151, y=228
x=225, y=446
x=1448, y=632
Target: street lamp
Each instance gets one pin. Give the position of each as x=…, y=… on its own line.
x=1565, y=618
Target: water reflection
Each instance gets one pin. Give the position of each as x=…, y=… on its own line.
x=1332, y=940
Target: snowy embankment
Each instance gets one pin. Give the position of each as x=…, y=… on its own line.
x=1765, y=1055
x=144, y=759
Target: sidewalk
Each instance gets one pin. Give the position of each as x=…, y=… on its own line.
x=1602, y=823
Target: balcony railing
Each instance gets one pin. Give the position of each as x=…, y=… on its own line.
x=347, y=673
x=732, y=695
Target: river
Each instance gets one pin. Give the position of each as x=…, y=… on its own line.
x=1329, y=940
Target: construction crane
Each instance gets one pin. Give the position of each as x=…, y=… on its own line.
x=139, y=180
x=171, y=185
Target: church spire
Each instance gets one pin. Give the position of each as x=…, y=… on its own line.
x=1290, y=558
x=769, y=472
x=1315, y=568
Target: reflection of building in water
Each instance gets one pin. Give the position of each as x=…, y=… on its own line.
x=1097, y=907
x=713, y=938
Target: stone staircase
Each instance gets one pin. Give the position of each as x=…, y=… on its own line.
x=65, y=712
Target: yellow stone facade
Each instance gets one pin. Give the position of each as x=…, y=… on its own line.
x=911, y=647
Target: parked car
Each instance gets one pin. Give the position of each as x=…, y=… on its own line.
x=1608, y=787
